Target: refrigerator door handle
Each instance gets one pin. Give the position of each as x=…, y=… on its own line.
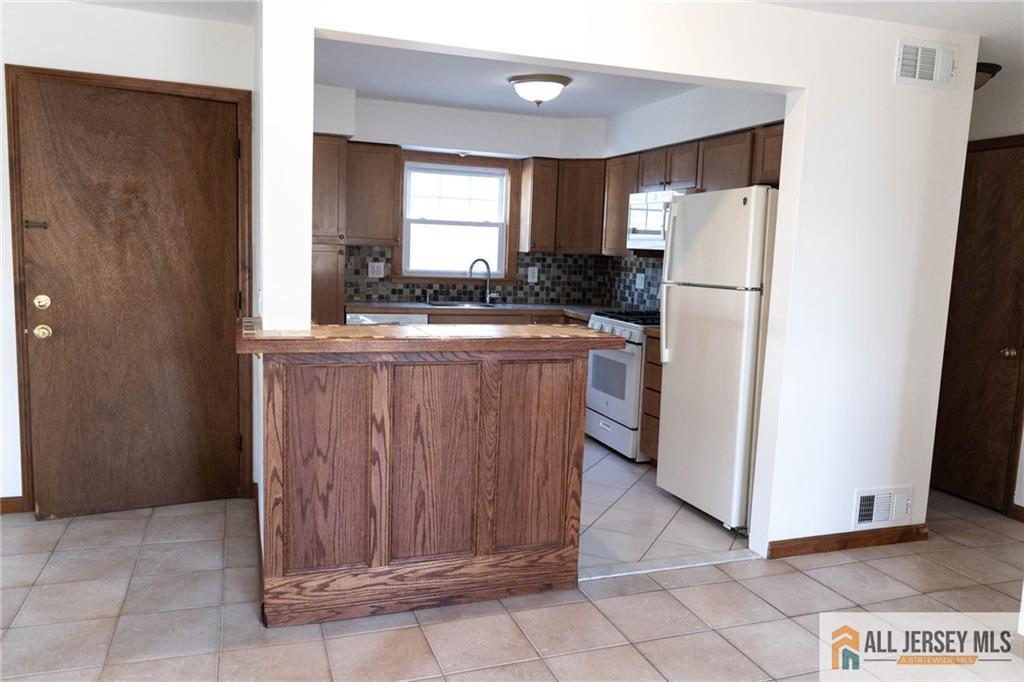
x=663, y=340
x=671, y=227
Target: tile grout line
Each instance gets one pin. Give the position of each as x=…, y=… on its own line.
x=124, y=599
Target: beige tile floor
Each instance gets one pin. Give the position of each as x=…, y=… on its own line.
x=168, y=594
x=625, y=518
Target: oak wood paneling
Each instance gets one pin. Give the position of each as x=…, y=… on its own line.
x=434, y=459
x=328, y=469
x=532, y=454
x=538, y=208
x=652, y=402
x=620, y=180
x=460, y=482
x=580, y=210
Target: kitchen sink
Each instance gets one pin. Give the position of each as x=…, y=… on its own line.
x=461, y=304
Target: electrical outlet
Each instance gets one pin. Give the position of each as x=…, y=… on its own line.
x=641, y=280
x=376, y=270
x=531, y=275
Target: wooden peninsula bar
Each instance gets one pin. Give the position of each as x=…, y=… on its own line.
x=419, y=465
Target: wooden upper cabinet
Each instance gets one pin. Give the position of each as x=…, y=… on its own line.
x=767, y=155
x=579, y=218
x=724, y=162
x=373, y=193
x=682, y=166
x=539, y=197
x=653, y=170
x=620, y=180
x=328, y=291
x=329, y=187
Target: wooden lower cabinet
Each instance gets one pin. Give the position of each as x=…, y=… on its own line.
x=650, y=417
x=396, y=481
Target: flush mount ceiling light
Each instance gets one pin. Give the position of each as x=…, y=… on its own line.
x=986, y=72
x=539, y=87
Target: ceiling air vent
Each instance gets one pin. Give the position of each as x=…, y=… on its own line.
x=881, y=507
x=925, y=63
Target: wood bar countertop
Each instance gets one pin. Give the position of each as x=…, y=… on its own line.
x=425, y=338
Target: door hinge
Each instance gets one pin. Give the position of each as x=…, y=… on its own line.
x=238, y=149
x=238, y=301
x=241, y=443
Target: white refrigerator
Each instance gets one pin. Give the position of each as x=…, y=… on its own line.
x=713, y=304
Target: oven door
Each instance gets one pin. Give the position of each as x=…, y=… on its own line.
x=613, y=384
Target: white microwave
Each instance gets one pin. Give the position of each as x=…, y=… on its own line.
x=650, y=216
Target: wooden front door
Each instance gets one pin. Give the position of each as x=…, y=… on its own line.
x=128, y=223
x=978, y=429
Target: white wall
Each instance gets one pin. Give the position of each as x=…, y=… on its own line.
x=97, y=39
x=871, y=177
x=999, y=106
x=696, y=113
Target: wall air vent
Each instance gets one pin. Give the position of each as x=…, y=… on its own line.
x=880, y=507
x=925, y=63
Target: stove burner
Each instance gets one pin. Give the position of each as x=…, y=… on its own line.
x=651, y=318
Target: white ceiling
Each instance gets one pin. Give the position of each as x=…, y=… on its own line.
x=1000, y=24
x=446, y=80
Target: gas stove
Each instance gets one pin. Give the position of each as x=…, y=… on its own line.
x=615, y=378
x=629, y=324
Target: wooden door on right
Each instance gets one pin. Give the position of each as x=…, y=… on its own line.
x=977, y=436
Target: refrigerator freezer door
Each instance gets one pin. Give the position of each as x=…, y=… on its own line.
x=707, y=398
x=718, y=238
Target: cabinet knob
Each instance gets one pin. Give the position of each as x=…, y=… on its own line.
x=396, y=240
x=341, y=237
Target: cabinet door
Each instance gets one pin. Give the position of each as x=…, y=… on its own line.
x=329, y=187
x=328, y=294
x=537, y=206
x=724, y=161
x=653, y=168
x=620, y=180
x=580, y=210
x=373, y=181
x=682, y=166
x=767, y=155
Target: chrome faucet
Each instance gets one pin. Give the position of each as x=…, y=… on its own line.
x=487, y=293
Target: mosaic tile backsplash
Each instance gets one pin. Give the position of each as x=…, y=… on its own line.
x=568, y=279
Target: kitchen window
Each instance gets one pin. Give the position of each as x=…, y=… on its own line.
x=452, y=215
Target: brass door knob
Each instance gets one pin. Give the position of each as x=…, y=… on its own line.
x=42, y=301
x=42, y=331
x=1008, y=352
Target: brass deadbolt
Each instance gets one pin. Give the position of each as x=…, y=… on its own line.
x=42, y=301
x=42, y=331
x=1008, y=353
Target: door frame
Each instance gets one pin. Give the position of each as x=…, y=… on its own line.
x=242, y=99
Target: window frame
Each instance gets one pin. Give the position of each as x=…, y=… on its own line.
x=510, y=240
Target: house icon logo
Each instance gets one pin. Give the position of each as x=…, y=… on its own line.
x=845, y=649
